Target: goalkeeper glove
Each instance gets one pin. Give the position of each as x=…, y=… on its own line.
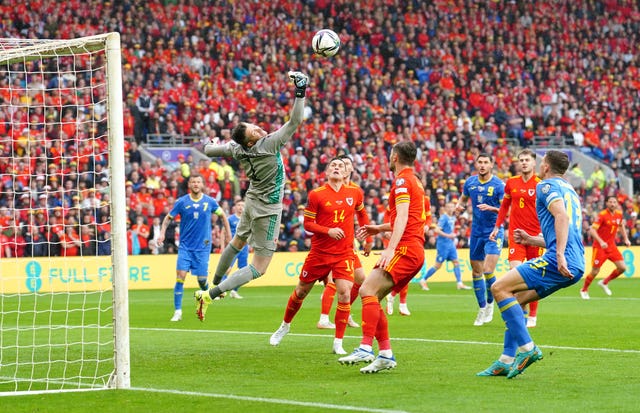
x=301, y=81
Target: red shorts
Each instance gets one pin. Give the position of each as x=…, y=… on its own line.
x=357, y=264
x=600, y=255
x=405, y=264
x=519, y=252
x=317, y=266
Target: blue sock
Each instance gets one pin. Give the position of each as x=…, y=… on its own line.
x=177, y=294
x=514, y=318
x=510, y=345
x=480, y=289
x=202, y=282
x=457, y=273
x=489, y=279
x=429, y=273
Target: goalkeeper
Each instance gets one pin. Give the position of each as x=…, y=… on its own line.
x=259, y=154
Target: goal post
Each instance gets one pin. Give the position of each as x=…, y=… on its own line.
x=64, y=318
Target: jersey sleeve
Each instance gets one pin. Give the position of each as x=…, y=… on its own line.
x=177, y=208
x=310, y=214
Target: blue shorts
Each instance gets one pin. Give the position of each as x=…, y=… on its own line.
x=195, y=262
x=242, y=258
x=480, y=247
x=543, y=276
x=447, y=253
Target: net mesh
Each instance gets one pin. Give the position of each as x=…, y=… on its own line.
x=56, y=323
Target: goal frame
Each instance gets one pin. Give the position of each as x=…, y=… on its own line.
x=110, y=43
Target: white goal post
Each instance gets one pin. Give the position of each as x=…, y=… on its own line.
x=64, y=318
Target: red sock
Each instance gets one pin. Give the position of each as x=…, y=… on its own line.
x=403, y=294
x=382, y=332
x=587, y=282
x=614, y=274
x=293, y=306
x=355, y=289
x=327, y=298
x=533, y=309
x=342, y=315
x=370, y=316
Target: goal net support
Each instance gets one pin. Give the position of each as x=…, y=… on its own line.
x=64, y=321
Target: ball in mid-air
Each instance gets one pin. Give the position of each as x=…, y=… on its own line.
x=325, y=43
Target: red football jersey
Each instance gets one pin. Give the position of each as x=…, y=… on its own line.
x=607, y=225
x=520, y=200
x=407, y=188
x=326, y=209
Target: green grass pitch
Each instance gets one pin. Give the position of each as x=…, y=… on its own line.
x=591, y=358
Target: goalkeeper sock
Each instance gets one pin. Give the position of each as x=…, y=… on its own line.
x=226, y=258
x=178, y=290
x=235, y=280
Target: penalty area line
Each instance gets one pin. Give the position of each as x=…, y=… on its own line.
x=268, y=400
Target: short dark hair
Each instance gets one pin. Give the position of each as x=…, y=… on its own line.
x=406, y=151
x=558, y=161
x=239, y=134
x=484, y=155
x=606, y=199
x=195, y=175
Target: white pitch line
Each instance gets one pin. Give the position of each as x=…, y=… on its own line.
x=422, y=340
x=268, y=400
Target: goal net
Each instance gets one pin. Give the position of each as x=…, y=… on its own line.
x=64, y=321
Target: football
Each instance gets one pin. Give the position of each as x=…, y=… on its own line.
x=325, y=43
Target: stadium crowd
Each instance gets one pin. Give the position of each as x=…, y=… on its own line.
x=458, y=77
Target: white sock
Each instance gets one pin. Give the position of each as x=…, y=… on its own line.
x=526, y=347
x=366, y=347
x=324, y=318
x=506, y=359
x=386, y=353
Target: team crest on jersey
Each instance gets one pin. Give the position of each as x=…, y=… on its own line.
x=546, y=188
x=532, y=192
x=349, y=201
x=399, y=181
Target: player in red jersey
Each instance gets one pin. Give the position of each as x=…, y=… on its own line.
x=329, y=292
x=403, y=308
x=604, y=231
x=398, y=263
x=329, y=215
x=519, y=203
